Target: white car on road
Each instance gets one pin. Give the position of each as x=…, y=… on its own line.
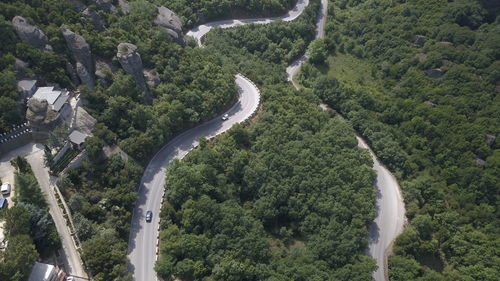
x=5, y=189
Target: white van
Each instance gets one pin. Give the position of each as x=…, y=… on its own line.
x=5, y=188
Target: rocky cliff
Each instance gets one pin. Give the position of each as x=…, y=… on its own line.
x=80, y=51
x=30, y=33
x=94, y=18
x=131, y=61
x=170, y=22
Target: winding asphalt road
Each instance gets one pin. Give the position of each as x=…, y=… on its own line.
x=142, y=247
x=390, y=216
x=199, y=31
x=143, y=236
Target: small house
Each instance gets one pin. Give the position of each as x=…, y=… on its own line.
x=43, y=272
x=77, y=139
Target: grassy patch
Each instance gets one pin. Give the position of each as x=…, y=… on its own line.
x=353, y=72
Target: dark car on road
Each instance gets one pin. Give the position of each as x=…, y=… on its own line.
x=149, y=216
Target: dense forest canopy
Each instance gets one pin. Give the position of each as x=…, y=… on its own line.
x=288, y=199
x=420, y=80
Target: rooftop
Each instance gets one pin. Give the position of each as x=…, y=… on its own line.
x=42, y=272
x=55, y=98
x=77, y=137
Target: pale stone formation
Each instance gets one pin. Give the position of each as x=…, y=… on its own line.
x=434, y=73
x=94, y=17
x=171, y=23
x=30, y=34
x=131, y=62
x=152, y=77
x=80, y=50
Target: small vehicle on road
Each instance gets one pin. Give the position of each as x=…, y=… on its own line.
x=225, y=117
x=5, y=189
x=149, y=216
x=70, y=278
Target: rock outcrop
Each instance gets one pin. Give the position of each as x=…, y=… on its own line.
x=131, y=61
x=94, y=18
x=79, y=48
x=40, y=116
x=70, y=70
x=430, y=103
x=105, y=5
x=170, y=22
x=30, y=33
x=123, y=5
x=103, y=71
x=84, y=75
x=420, y=40
x=79, y=6
x=152, y=77
x=20, y=68
x=434, y=73
x=80, y=51
x=421, y=57
x=490, y=140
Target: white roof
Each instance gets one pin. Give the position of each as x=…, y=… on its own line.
x=55, y=98
x=42, y=272
x=47, y=93
x=77, y=137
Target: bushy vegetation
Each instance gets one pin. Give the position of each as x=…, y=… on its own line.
x=29, y=228
x=101, y=196
x=435, y=129
x=288, y=199
x=194, y=12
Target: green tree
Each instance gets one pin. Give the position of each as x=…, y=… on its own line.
x=317, y=51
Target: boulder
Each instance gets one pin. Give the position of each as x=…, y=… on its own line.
x=79, y=6
x=434, y=73
x=94, y=18
x=174, y=35
x=429, y=103
x=420, y=40
x=30, y=34
x=152, y=77
x=20, y=67
x=171, y=23
x=131, y=62
x=490, y=140
x=123, y=5
x=106, y=5
x=40, y=118
x=79, y=48
x=84, y=75
x=70, y=70
x=421, y=57
x=103, y=71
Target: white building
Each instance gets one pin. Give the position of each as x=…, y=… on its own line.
x=43, y=272
x=55, y=98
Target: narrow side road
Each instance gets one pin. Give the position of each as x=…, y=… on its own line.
x=142, y=246
x=70, y=255
x=390, y=216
